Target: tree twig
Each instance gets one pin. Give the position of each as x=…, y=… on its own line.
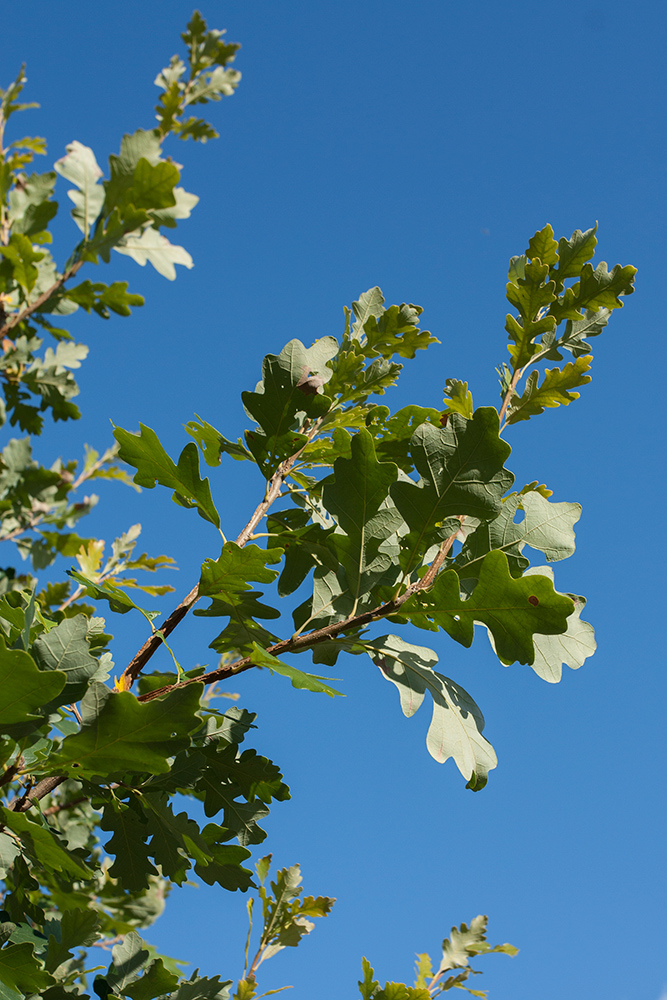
x=41, y=789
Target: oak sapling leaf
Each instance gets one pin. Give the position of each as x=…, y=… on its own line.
x=462, y=470
x=145, y=452
x=513, y=610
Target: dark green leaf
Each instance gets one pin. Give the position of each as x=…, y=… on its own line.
x=77, y=929
x=299, y=679
x=155, y=982
x=513, y=610
x=24, y=688
x=130, y=736
x=22, y=971
x=153, y=466
x=213, y=444
x=462, y=471
x=43, y=845
x=357, y=496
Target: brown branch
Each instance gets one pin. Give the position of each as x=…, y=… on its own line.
x=40, y=300
x=296, y=643
x=41, y=789
x=140, y=659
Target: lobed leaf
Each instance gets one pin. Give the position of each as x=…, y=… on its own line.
x=145, y=452
x=513, y=610
x=457, y=722
x=554, y=390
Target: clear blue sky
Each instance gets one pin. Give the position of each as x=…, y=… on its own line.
x=416, y=147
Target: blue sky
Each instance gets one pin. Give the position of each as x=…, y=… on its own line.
x=417, y=148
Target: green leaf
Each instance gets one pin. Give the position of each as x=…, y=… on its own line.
x=22, y=971
x=19, y=261
x=548, y=527
x=225, y=582
x=77, y=929
x=530, y=295
x=289, y=387
x=155, y=982
x=203, y=988
x=80, y=167
x=66, y=648
x=134, y=737
x=107, y=591
x=229, y=575
x=132, y=867
x=571, y=648
x=543, y=246
x=368, y=985
x=370, y=305
x=573, y=254
x=457, y=722
x=395, y=332
x=30, y=209
x=43, y=845
x=130, y=957
x=303, y=543
x=462, y=471
x=393, y=433
x=356, y=495
x=466, y=942
x=102, y=298
x=458, y=398
x=555, y=389
x=513, y=610
x=24, y=688
x=299, y=679
x=596, y=289
x=154, y=465
x=576, y=331
x=213, y=444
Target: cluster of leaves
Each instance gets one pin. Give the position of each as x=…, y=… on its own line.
x=126, y=212
x=409, y=517
x=465, y=943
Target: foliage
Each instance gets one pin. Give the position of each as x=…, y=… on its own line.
x=408, y=517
